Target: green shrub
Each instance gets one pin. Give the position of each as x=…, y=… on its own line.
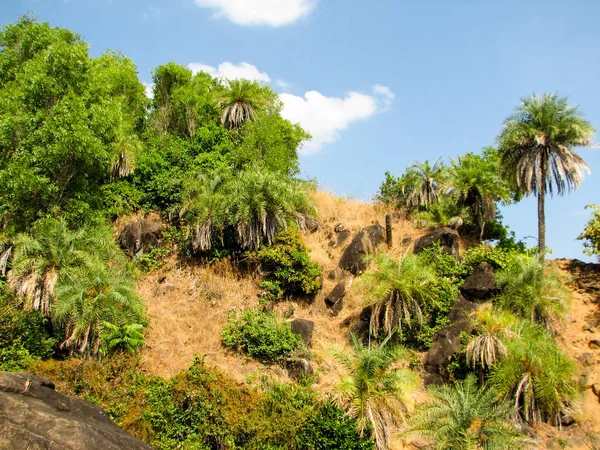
x=153, y=260
x=591, y=233
x=497, y=257
x=260, y=335
x=287, y=267
x=121, y=338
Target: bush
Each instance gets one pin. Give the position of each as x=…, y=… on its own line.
x=591, y=233
x=287, y=267
x=258, y=334
x=498, y=257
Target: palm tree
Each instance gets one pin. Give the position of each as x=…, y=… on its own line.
x=487, y=348
x=536, y=150
x=428, y=181
x=398, y=289
x=476, y=182
x=239, y=101
x=532, y=291
x=90, y=299
x=536, y=376
x=465, y=417
x=373, y=393
x=49, y=255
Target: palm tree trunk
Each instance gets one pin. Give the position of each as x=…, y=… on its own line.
x=541, y=225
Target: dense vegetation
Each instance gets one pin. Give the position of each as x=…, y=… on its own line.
x=81, y=146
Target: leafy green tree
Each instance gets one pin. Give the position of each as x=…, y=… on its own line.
x=532, y=291
x=476, y=182
x=91, y=298
x=242, y=100
x=69, y=122
x=590, y=235
x=536, y=376
x=52, y=253
x=373, y=393
x=465, y=417
x=427, y=181
x=121, y=338
x=398, y=290
x=536, y=150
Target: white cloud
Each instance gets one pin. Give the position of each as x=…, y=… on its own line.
x=151, y=13
x=231, y=71
x=149, y=89
x=283, y=84
x=259, y=12
x=325, y=117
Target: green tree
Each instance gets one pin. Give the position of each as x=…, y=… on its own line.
x=536, y=150
x=590, y=235
x=476, y=182
x=465, y=417
x=242, y=100
x=91, y=298
x=427, y=181
x=398, y=290
x=373, y=393
x=536, y=376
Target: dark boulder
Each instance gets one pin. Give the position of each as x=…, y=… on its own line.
x=335, y=300
x=337, y=274
x=447, y=237
x=446, y=342
x=304, y=328
x=139, y=236
x=363, y=243
x=481, y=284
x=34, y=416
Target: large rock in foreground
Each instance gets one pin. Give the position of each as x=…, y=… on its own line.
x=139, y=236
x=363, y=243
x=481, y=284
x=34, y=416
x=447, y=237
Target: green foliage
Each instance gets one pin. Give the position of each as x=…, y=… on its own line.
x=498, y=257
x=153, y=260
x=412, y=295
x=287, y=268
x=533, y=291
x=373, y=393
x=591, y=233
x=536, y=375
x=465, y=417
x=260, y=335
x=121, y=338
x=24, y=336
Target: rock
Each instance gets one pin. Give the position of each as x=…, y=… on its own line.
x=586, y=359
x=311, y=224
x=337, y=274
x=298, y=369
x=288, y=312
x=594, y=344
x=596, y=389
x=138, y=236
x=419, y=444
x=304, y=328
x=163, y=289
x=446, y=342
x=335, y=300
x=406, y=241
x=481, y=284
x=342, y=237
x=447, y=237
x=34, y=416
x=363, y=243
x=339, y=228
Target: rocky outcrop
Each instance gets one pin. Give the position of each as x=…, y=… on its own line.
x=34, y=416
x=447, y=237
x=139, y=236
x=298, y=368
x=363, y=243
x=446, y=342
x=335, y=300
x=481, y=284
x=304, y=328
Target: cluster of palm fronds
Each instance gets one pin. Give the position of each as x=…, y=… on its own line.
x=77, y=278
x=256, y=204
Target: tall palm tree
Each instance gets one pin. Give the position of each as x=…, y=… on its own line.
x=428, y=182
x=239, y=101
x=90, y=299
x=536, y=150
x=536, y=376
x=373, y=393
x=465, y=417
x=399, y=288
x=50, y=254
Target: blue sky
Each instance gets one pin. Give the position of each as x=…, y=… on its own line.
x=379, y=84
